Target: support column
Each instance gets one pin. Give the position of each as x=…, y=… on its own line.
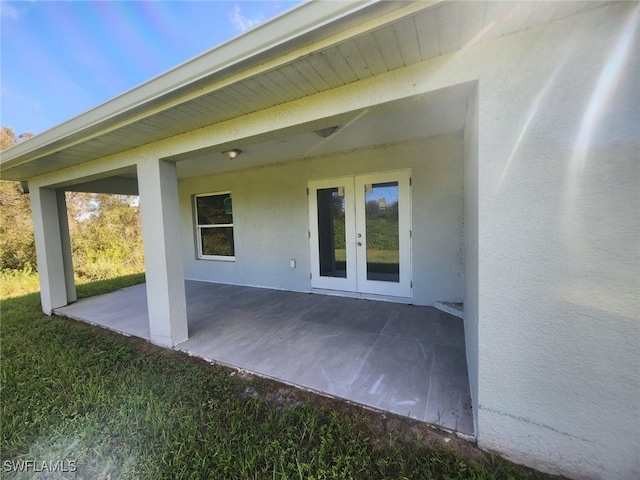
x=166, y=302
x=65, y=240
x=53, y=248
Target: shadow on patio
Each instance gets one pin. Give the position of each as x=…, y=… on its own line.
x=405, y=359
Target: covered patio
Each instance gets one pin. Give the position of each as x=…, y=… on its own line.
x=405, y=359
x=517, y=122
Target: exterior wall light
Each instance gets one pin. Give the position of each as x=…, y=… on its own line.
x=232, y=153
x=326, y=132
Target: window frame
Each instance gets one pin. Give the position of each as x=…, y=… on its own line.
x=199, y=227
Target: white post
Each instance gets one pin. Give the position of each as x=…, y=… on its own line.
x=167, y=307
x=65, y=240
x=53, y=248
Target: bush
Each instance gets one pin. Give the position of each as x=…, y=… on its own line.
x=105, y=230
x=17, y=244
x=14, y=283
x=106, y=235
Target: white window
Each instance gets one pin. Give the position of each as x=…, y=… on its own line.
x=214, y=226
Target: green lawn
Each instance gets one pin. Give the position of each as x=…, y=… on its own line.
x=117, y=407
x=373, y=256
x=18, y=282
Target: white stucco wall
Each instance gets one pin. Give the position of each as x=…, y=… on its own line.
x=559, y=258
x=554, y=350
x=53, y=247
x=471, y=283
x=271, y=217
x=166, y=302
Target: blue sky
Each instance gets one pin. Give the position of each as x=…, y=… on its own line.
x=61, y=58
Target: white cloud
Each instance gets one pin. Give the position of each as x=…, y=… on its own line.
x=8, y=11
x=241, y=22
x=12, y=95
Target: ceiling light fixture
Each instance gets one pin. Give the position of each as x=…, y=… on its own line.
x=235, y=153
x=326, y=132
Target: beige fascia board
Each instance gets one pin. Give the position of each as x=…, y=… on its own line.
x=287, y=33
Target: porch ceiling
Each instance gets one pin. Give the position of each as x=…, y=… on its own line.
x=431, y=114
x=358, y=43
x=394, y=124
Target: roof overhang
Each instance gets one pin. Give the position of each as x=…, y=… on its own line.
x=311, y=25
x=313, y=49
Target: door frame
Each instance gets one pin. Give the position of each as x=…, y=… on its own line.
x=377, y=287
x=356, y=283
x=348, y=284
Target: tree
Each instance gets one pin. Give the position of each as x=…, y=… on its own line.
x=106, y=234
x=105, y=230
x=17, y=244
x=8, y=137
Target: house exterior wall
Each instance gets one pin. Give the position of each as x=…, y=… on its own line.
x=271, y=217
x=558, y=195
x=551, y=256
x=471, y=284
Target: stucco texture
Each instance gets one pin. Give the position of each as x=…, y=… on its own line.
x=547, y=179
x=271, y=217
x=558, y=311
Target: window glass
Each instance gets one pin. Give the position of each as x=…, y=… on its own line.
x=331, y=232
x=214, y=224
x=383, y=232
x=217, y=241
x=211, y=209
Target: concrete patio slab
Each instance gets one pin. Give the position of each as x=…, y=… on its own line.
x=400, y=358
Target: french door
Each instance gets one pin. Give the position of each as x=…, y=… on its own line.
x=360, y=233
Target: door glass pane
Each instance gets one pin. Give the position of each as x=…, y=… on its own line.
x=382, y=232
x=331, y=232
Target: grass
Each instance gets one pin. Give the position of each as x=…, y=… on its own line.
x=373, y=256
x=117, y=407
x=14, y=283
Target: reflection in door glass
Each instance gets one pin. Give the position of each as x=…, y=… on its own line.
x=331, y=232
x=382, y=232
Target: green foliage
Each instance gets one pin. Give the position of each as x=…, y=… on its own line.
x=14, y=282
x=90, y=289
x=217, y=241
x=17, y=244
x=382, y=226
x=105, y=230
x=122, y=408
x=382, y=235
x=106, y=235
x=339, y=234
